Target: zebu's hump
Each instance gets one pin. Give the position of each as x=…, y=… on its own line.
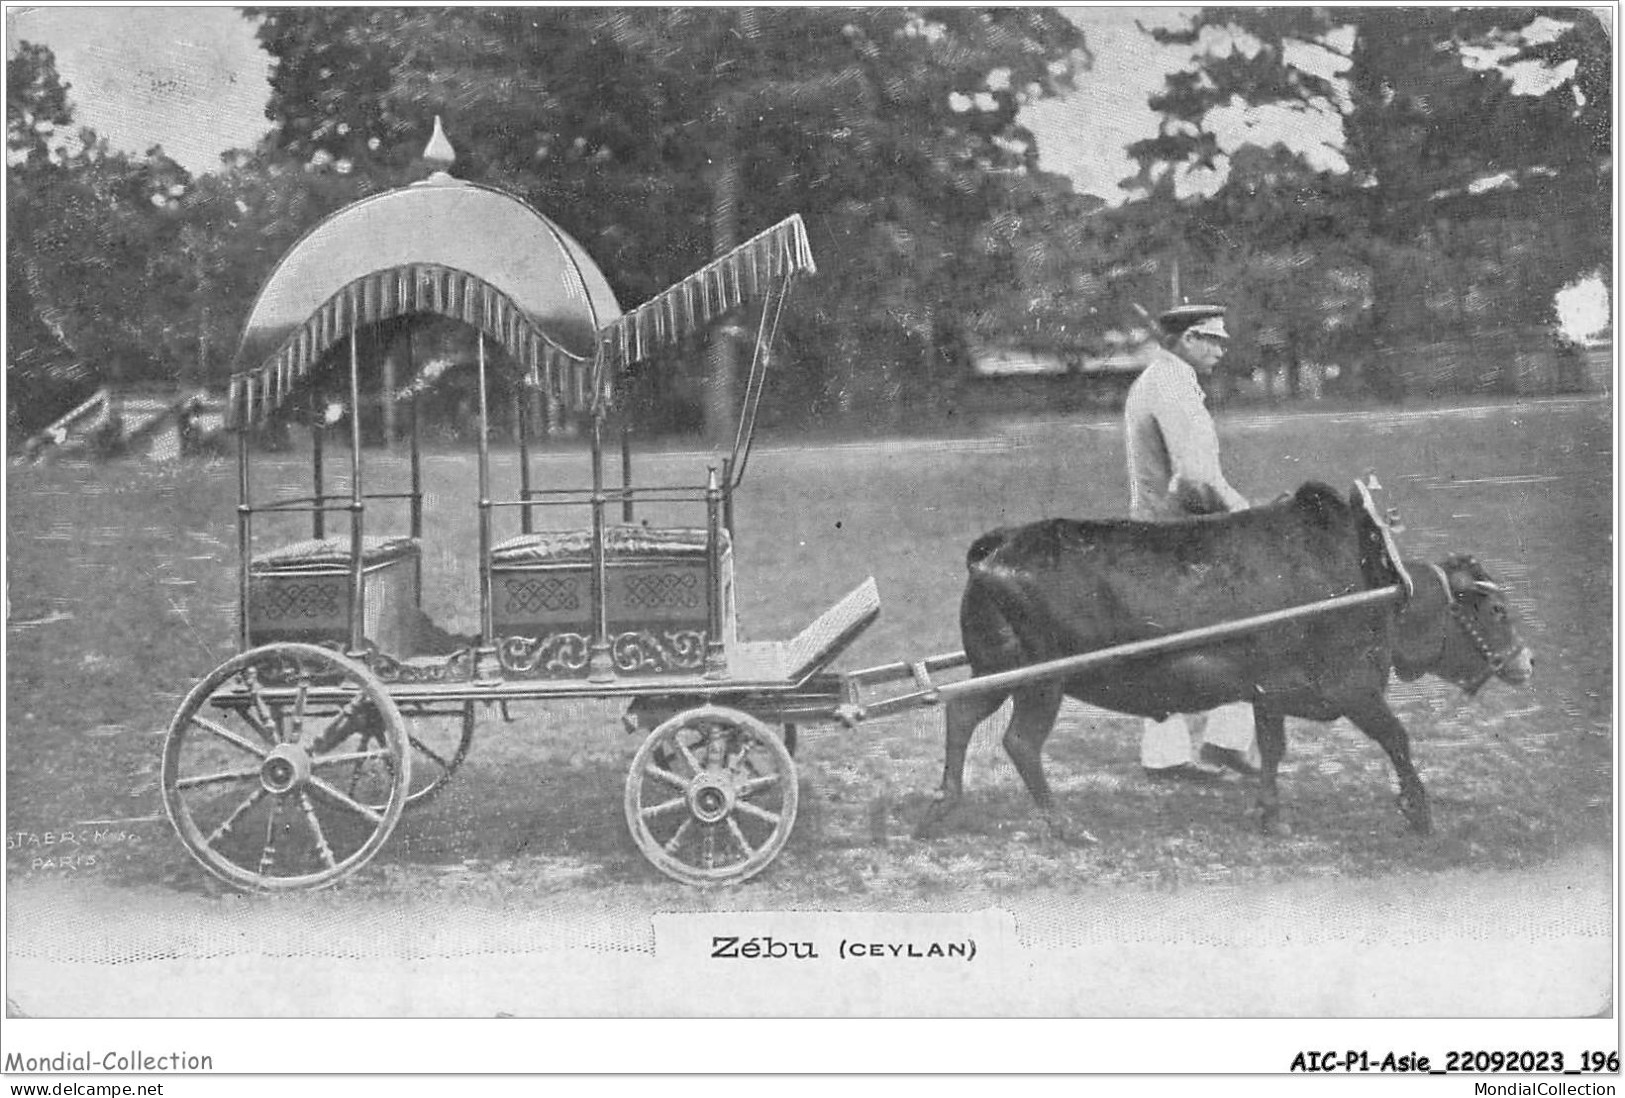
x=1320, y=504
x=985, y=546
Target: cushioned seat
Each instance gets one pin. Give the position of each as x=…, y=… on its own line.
x=620, y=543
x=313, y=553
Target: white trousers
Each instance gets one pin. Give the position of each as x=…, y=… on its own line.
x=1179, y=739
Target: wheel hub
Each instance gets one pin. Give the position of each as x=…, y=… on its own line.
x=711, y=797
x=286, y=768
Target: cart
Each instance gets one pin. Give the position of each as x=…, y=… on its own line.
x=291, y=763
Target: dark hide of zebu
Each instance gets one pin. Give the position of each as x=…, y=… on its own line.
x=1059, y=587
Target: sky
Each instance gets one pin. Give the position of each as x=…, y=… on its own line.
x=193, y=80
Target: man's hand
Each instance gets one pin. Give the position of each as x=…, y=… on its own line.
x=1196, y=498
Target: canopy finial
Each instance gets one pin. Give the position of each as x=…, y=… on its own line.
x=438, y=152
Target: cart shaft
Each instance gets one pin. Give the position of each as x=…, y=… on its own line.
x=1068, y=666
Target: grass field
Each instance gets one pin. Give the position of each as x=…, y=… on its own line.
x=122, y=595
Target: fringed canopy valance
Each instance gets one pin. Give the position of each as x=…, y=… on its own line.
x=744, y=274
x=442, y=246
x=483, y=257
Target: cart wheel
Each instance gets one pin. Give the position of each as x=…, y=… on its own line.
x=440, y=743
x=286, y=768
x=711, y=796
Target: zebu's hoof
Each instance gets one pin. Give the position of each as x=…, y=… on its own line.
x=1416, y=813
x=930, y=825
x=1063, y=830
x=1271, y=824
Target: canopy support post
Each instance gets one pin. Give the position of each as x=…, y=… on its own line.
x=415, y=425
x=318, y=516
x=245, y=535
x=358, y=584
x=600, y=664
x=626, y=473
x=728, y=496
x=716, y=656
x=487, y=668
x=522, y=407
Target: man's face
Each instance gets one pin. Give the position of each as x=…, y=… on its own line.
x=1202, y=350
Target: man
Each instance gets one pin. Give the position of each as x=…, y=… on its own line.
x=1173, y=472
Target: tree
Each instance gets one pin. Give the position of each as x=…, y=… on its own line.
x=1436, y=137
x=658, y=136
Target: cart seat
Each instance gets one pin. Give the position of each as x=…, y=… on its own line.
x=325, y=553
x=657, y=600
x=301, y=592
x=620, y=543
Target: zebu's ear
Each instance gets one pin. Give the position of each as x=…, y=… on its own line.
x=1419, y=627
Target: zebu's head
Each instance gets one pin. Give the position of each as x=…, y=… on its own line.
x=1459, y=626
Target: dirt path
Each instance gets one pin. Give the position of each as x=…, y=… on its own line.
x=1528, y=943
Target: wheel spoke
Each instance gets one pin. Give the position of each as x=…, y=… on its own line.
x=755, y=813
x=677, y=836
x=220, y=731
x=356, y=757
x=664, y=806
x=260, y=718
x=427, y=750
x=739, y=837
x=344, y=800
x=755, y=785
x=215, y=779
x=688, y=755
x=339, y=726
x=666, y=776
x=301, y=696
x=238, y=813
x=710, y=848
x=268, y=854
x=322, y=849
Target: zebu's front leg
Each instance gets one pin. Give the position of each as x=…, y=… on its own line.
x=1373, y=717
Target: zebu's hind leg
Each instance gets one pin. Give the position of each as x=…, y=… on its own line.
x=1375, y=719
x=1270, y=729
x=1031, y=722
x=961, y=718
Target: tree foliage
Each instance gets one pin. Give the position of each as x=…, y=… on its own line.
x=1447, y=161
x=657, y=136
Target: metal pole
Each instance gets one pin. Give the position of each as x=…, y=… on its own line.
x=318, y=518
x=522, y=408
x=416, y=424
x=728, y=496
x=716, y=656
x=486, y=668
x=626, y=473
x=244, y=537
x=1068, y=666
x=358, y=585
x=600, y=664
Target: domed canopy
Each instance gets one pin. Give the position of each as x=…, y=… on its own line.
x=442, y=246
